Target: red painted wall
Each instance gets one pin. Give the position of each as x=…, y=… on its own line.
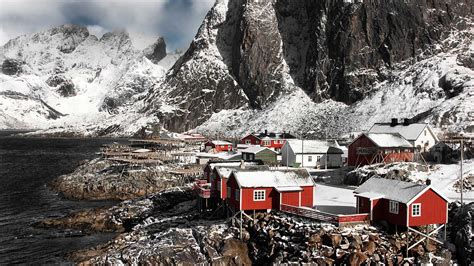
x=224, y=188
x=363, y=141
x=380, y=211
x=433, y=209
x=307, y=196
x=232, y=184
x=253, y=140
x=363, y=204
x=271, y=199
x=290, y=198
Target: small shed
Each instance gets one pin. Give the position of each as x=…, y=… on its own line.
x=221, y=174
x=259, y=153
x=268, y=190
x=401, y=203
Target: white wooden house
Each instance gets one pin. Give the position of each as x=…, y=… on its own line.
x=311, y=154
x=420, y=135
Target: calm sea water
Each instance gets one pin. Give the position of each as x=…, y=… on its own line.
x=27, y=165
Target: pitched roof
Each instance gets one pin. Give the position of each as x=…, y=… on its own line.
x=255, y=149
x=213, y=164
x=225, y=171
x=271, y=179
x=409, y=132
x=220, y=142
x=312, y=146
x=274, y=135
x=388, y=140
x=390, y=189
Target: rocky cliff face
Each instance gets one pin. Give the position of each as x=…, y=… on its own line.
x=249, y=55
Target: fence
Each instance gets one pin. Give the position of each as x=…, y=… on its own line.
x=325, y=217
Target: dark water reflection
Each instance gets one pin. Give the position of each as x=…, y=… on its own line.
x=27, y=165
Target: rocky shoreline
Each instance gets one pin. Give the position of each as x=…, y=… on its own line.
x=100, y=179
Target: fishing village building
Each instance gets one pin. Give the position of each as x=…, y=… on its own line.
x=311, y=154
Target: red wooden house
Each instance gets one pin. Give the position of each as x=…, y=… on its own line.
x=401, y=203
x=218, y=145
x=221, y=174
x=267, y=190
x=267, y=139
x=371, y=148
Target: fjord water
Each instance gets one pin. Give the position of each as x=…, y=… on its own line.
x=27, y=165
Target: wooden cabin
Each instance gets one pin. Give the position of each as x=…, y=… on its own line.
x=259, y=153
x=218, y=146
x=401, y=203
x=221, y=174
x=268, y=190
x=371, y=148
x=267, y=139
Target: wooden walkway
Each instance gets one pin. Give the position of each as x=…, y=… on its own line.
x=338, y=219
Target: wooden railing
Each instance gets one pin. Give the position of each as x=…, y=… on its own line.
x=325, y=217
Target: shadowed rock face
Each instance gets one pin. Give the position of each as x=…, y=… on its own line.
x=252, y=53
x=12, y=67
x=156, y=51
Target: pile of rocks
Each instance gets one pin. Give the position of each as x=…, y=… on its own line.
x=277, y=238
x=468, y=184
x=101, y=179
x=461, y=226
x=397, y=171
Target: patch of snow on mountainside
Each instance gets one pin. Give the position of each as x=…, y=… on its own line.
x=67, y=78
x=439, y=89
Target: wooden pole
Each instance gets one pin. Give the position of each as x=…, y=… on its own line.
x=462, y=180
x=241, y=223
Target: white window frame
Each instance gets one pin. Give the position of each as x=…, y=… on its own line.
x=413, y=210
x=237, y=195
x=229, y=191
x=248, y=141
x=259, y=195
x=393, y=207
x=267, y=142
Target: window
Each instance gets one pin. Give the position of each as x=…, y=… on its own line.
x=219, y=185
x=282, y=141
x=247, y=141
x=416, y=210
x=228, y=192
x=259, y=195
x=266, y=143
x=425, y=132
x=237, y=194
x=318, y=158
x=310, y=158
x=393, y=207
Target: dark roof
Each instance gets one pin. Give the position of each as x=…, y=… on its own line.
x=274, y=135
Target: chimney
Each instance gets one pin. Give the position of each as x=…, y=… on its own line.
x=394, y=122
x=428, y=182
x=406, y=121
x=266, y=132
x=242, y=164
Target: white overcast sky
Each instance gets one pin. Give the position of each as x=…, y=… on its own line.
x=176, y=20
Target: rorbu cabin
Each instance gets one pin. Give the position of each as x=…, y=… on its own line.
x=221, y=174
x=401, y=203
x=372, y=148
x=237, y=163
x=268, y=190
x=218, y=146
x=267, y=139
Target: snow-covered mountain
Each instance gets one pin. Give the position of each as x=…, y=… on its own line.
x=322, y=66
x=67, y=79
x=329, y=66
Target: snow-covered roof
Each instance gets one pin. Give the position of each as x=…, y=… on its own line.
x=255, y=149
x=371, y=195
x=220, y=142
x=389, y=140
x=390, y=189
x=311, y=146
x=212, y=165
x=288, y=189
x=225, y=171
x=409, y=132
x=271, y=179
x=141, y=151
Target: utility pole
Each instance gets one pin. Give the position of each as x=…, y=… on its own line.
x=302, y=149
x=326, y=158
x=287, y=148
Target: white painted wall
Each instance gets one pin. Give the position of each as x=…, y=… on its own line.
x=425, y=137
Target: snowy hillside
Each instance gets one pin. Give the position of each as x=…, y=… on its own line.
x=67, y=78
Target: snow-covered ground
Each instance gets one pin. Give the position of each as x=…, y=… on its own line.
x=336, y=200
